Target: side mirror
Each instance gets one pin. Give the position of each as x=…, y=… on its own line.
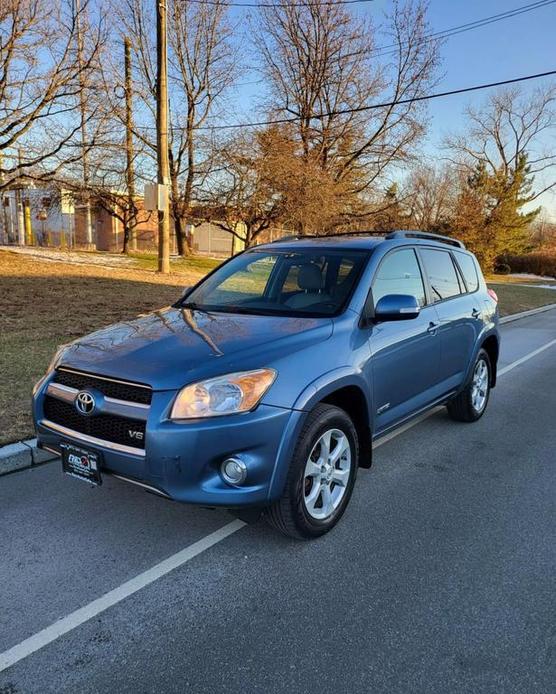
x=397, y=307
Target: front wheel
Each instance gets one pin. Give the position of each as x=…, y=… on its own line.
x=471, y=403
x=321, y=475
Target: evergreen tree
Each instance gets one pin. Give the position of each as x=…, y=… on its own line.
x=489, y=214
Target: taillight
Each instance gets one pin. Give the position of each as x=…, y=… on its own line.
x=493, y=294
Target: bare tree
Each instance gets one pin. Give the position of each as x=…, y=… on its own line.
x=245, y=198
x=201, y=67
x=544, y=232
x=505, y=166
x=324, y=72
x=41, y=73
x=509, y=126
x=430, y=195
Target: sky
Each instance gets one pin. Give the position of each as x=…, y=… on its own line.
x=513, y=47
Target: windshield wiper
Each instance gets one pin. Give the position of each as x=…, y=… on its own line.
x=225, y=308
x=435, y=290
x=193, y=306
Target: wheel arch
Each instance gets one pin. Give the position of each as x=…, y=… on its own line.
x=348, y=389
x=352, y=400
x=491, y=345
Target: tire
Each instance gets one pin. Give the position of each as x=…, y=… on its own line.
x=306, y=510
x=470, y=404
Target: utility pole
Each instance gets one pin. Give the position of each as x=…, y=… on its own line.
x=82, y=108
x=130, y=172
x=162, y=135
x=5, y=229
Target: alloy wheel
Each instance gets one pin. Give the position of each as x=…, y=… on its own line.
x=327, y=474
x=479, y=386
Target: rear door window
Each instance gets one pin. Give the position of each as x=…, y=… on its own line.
x=440, y=269
x=469, y=270
x=399, y=273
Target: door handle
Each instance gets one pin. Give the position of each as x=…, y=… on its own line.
x=433, y=327
x=475, y=313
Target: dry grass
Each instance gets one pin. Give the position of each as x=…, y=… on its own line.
x=508, y=279
x=45, y=304
x=514, y=298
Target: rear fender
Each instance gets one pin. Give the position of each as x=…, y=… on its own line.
x=485, y=334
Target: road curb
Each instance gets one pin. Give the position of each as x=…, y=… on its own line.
x=22, y=455
x=25, y=454
x=526, y=314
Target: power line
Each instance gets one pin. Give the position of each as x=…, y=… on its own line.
x=224, y=3
x=360, y=109
x=445, y=33
x=475, y=24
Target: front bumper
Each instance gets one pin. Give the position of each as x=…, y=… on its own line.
x=181, y=460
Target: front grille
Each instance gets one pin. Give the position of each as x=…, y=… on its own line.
x=112, y=389
x=102, y=426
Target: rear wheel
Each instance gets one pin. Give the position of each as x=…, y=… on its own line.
x=471, y=403
x=321, y=475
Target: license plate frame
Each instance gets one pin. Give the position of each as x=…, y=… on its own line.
x=81, y=463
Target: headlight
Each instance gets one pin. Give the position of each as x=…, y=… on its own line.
x=237, y=392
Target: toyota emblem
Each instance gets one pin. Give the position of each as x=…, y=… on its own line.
x=84, y=402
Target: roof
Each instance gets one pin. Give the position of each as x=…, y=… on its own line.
x=360, y=240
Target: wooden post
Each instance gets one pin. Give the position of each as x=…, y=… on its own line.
x=162, y=134
x=129, y=171
x=82, y=109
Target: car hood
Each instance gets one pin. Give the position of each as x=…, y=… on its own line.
x=170, y=347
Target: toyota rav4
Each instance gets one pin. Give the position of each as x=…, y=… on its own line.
x=263, y=388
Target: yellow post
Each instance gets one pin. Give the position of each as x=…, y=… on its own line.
x=239, y=244
x=29, y=241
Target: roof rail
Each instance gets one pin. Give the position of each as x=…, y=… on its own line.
x=358, y=233
x=426, y=236
x=294, y=237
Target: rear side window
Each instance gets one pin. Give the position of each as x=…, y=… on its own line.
x=442, y=274
x=399, y=273
x=469, y=270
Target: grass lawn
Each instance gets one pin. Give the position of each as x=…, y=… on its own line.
x=148, y=261
x=508, y=279
x=514, y=298
x=44, y=304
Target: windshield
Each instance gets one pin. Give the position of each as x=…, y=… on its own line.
x=301, y=283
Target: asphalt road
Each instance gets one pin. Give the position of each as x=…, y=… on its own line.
x=440, y=577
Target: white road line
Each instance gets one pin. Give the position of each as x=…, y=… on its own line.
x=83, y=614
x=525, y=358
x=113, y=597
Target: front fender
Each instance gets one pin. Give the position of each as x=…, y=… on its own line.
x=314, y=393
x=330, y=382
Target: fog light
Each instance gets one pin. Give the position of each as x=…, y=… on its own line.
x=233, y=471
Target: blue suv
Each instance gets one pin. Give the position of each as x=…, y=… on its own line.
x=262, y=389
